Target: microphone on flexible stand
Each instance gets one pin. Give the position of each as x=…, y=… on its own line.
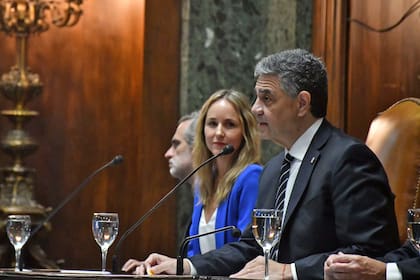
x=182, y=250
x=228, y=149
x=116, y=160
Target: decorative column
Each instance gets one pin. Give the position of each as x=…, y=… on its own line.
x=20, y=19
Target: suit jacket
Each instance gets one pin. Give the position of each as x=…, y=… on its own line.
x=341, y=201
x=407, y=259
x=235, y=210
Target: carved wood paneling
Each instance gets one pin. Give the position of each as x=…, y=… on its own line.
x=111, y=87
x=368, y=71
x=383, y=67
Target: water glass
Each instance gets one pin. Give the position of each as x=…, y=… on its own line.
x=18, y=228
x=105, y=230
x=413, y=227
x=266, y=227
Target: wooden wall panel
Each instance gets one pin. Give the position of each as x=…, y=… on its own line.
x=368, y=71
x=111, y=87
x=383, y=67
x=329, y=41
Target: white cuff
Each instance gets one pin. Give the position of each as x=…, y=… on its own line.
x=392, y=272
x=193, y=271
x=293, y=269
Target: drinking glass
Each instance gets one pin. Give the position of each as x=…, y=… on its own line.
x=266, y=227
x=105, y=230
x=413, y=227
x=18, y=228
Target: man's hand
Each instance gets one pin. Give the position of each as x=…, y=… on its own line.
x=154, y=264
x=255, y=270
x=342, y=266
x=134, y=266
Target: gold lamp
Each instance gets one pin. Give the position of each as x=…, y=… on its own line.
x=21, y=18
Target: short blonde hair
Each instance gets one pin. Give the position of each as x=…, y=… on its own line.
x=249, y=151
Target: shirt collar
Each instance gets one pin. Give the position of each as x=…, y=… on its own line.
x=301, y=145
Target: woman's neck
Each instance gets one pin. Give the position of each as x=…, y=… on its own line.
x=223, y=164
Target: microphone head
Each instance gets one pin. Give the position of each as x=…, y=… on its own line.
x=117, y=159
x=236, y=232
x=228, y=149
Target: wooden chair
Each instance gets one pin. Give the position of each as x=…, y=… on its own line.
x=394, y=136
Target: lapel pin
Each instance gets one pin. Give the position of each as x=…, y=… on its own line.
x=312, y=160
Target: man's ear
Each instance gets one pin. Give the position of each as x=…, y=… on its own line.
x=304, y=103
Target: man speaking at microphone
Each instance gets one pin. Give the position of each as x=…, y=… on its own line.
x=332, y=189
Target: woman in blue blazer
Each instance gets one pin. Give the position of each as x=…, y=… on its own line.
x=234, y=210
x=225, y=192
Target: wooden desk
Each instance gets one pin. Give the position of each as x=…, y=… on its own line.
x=10, y=274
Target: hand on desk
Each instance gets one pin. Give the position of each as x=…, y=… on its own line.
x=134, y=266
x=154, y=264
x=255, y=270
x=343, y=266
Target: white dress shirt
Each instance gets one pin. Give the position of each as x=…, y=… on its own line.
x=298, y=151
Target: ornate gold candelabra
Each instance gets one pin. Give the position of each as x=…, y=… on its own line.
x=21, y=18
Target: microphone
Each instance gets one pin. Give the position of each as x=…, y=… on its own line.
x=116, y=160
x=228, y=149
x=181, y=254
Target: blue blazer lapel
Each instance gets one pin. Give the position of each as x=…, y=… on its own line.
x=221, y=221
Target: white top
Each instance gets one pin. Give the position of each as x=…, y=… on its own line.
x=208, y=242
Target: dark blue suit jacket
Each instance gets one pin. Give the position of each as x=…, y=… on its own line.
x=341, y=201
x=407, y=259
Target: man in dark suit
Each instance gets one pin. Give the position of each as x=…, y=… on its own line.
x=337, y=197
x=402, y=263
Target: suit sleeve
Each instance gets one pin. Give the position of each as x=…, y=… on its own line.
x=232, y=256
x=229, y=259
x=410, y=268
x=407, y=259
x=407, y=251
x=363, y=211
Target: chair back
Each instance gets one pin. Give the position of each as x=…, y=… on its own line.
x=394, y=136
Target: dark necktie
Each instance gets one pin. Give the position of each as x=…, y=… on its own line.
x=281, y=193
x=284, y=177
